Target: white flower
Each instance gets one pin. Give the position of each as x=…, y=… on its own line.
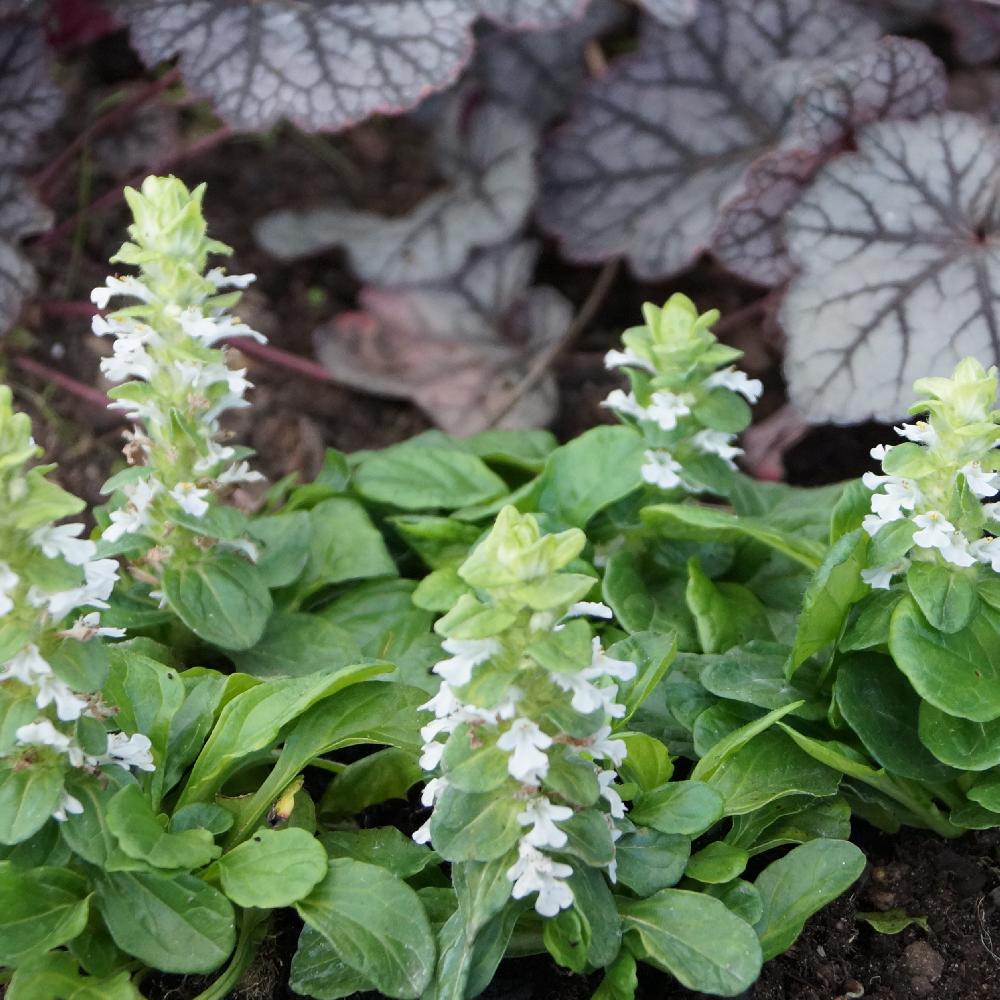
x=880, y=451
x=665, y=408
x=717, y=443
x=957, y=551
x=467, y=654
x=661, y=469
x=992, y=511
x=26, y=667
x=216, y=453
x=191, y=499
x=622, y=402
x=130, y=359
x=586, y=697
x=67, y=804
x=987, y=550
x=240, y=472
x=880, y=577
x=601, y=747
x=628, y=357
x=536, y=872
x=431, y=756
x=872, y=523
x=89, y=625
x=43, y=733
x=443, y=704
x=130, y=751
x=100, y=575
x=735, y=380
x=935, y=532
x=899, y=494
x=432, y=791
x=605, y=779
x=61, y=540
x=8, y=581
x=114, y=285
x=220, y=279
x=422, y=835
x=134, y=514
x=526, y=744
x=921, y=432
x=589, y=609
x=51, y=690
x=541, y=815
x=983, y=484
x=602, y=665
x=210, y=329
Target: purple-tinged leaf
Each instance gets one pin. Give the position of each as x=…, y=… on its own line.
x=660, y=143
x=487, y=156
x=324, y=64
x=21, y=214
x=898, y=267
x=453, y=346
x=531, y=13
x=895, y=78
x=29, y=100
x=672, y=13
x=539, y=72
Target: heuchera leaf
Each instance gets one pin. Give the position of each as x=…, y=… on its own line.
x=324, y=65
x=487, y=157
x=662, y=143
x=895, y=256
x=531, y=13
x=20, y=214
x=450, y=346
x=673, y=13
x=975, y=27
x=539, y=72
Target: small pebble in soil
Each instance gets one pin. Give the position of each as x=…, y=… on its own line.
x=924, y=966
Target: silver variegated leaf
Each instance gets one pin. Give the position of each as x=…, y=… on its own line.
x=487, y=155
x=898, y=254
x=673, y=13
x=539, y=72
x=531, y=13
x=662, y=141
x=894, y=78
x=21, y=214
x=324, y=64
x=453, y=346
x=30, y=101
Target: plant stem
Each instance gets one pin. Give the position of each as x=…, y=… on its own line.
x=85, y=392
x=252, y=929
x=283, y=359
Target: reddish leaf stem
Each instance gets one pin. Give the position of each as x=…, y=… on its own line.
x=85, y=392
x=283, y=359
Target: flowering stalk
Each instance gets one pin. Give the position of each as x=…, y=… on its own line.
x=926, y=507
x=686, y=398
x=51, y=659
x=175, y=382
x=521, y=738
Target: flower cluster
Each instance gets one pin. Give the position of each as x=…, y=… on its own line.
x=524, y=712
x=927, y=506
x=686, y=398
x=175, y=378
x=52, y=587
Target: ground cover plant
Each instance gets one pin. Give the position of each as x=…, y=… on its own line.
x=579, y=706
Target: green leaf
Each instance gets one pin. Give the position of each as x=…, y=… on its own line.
x=28, y=796
x=222, y=599
x=371, y=712
x=409, y=477
x=726, y=614
x=294, y=645
x=741, y=897
x=82, y=665
x=587, y=475
x=620, y=981
x=957, y=673
x=571, y=778
x=647, y=761
x=768, y=768
x=285, y=541
x=253, y=720
x=39, y=910
x=834, y=588
x=589, y=838
x=850, y=510
x=318, y=972
x=589, y=933
x=891, y=921
x=274, y=868
x=471, y=765
x=736, y=740
x=357, y=908
x=344, y=545
x=985, y=790
x=87, y=833
x=174, y=923
x=716, y=863
x=710, y=524
x=652, y=653
x=685, y=807
x=794, y=887
x=829, y=818
x=384, y=846
x=649, y=860
x=870, y=628
x=695, y=938
x=192, y=722
x=947, y=597
x=878, y=703
x=466, y=827
x=56, y=976
x=383, y=775
x=961, y=743
x=141, y=834
x=201, y=815
x=439, y=541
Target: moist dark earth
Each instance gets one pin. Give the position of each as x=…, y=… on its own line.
x=955, y=885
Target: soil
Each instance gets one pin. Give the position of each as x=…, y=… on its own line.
x=382, y=166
